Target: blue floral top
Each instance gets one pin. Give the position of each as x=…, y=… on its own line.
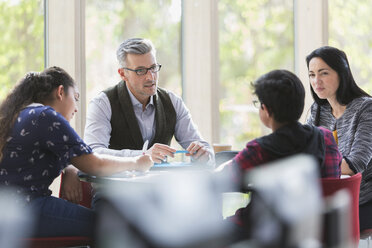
x=41, y=144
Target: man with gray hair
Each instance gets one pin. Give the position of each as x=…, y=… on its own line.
x=122, y=118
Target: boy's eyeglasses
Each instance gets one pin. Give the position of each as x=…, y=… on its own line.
x=257, y=103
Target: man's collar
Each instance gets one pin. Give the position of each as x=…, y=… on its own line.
x=136, y=102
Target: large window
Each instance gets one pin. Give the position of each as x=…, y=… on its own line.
x=21, y=40
x=254, y=38
x=350, y=25
x=110, y=22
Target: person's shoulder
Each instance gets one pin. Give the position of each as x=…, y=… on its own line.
x=109, y=92
x=361, y=103
x=252, y=155
x=48, y=110
x=253, y=145
x=99, y=101
x=325, y=131
x=36, y=109
x=173, y=96
x=49, y=113
x=42, y=115
x=365, y=100
x=327, y=135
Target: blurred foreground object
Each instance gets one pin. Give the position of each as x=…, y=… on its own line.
x=338, y=233
x=15, y=220
x=286, y=208
x=175, y=210
x=336, y=221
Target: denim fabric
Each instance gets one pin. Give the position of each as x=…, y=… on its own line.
x=58, y=217
x=365, y=216
x=96, y=199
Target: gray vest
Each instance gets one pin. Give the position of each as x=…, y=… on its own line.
x=125, y=133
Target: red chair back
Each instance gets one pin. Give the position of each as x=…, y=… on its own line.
x=87, y=194
x=68, y=241
x=57, y=242
x=352, y=184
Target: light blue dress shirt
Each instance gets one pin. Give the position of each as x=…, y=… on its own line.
x=98, y=127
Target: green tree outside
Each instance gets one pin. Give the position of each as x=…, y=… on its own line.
x=21, y=41
x=350, y=25
x=254, y=38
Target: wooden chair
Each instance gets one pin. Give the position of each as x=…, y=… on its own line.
x=68, y=241
x=352, y=185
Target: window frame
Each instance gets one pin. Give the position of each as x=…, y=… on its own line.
x=65, y=47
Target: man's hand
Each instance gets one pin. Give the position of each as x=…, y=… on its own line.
x=198, y=151
x=70, y=186
x=159, y=152
x=144, y=162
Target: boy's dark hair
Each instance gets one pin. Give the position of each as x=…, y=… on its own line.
x=282, y=93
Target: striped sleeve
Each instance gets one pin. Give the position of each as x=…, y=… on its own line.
x=361, y=148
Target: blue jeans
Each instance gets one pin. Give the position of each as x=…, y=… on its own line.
x=58, y=217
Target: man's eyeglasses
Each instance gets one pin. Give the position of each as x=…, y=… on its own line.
x=257, y=103
x=143, y=71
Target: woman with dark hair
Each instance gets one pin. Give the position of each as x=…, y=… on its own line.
x=344, y=108
x=37, y=143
